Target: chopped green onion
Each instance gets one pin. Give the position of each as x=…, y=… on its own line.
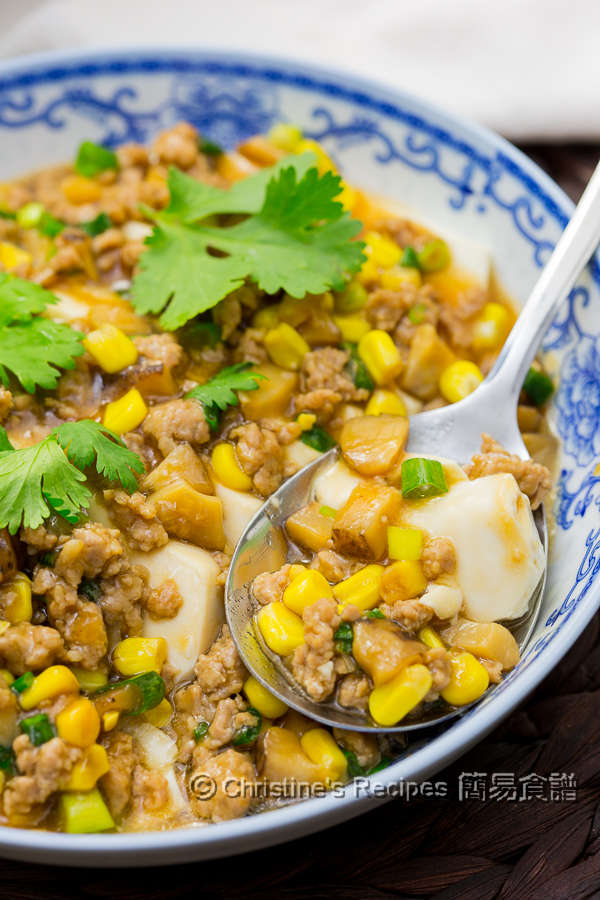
x=7, y=214
x=90, y=589
x=538, y=386
x=422, y=478
x=356, y=368
x=434, y=256
x=96, y=226
x=202, y=333
x=30, y=214
x=50, y=226
x=416, y=313
x=93, y=159
x=317, y=438
x=22, y=683
x=247, y=734
x=200, y=731
x=210, y=148
x=355, y=770
x=343, y=638
x=149, y=690
x=409, y=259
x=7, y=759
x=328, y=511
x=38, y=729
x=48, y=558
x=374, y=614
x=382, y=764
x=352, y=298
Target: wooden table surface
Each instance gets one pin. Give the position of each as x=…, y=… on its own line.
x=473, y=849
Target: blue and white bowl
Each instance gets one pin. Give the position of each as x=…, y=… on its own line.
x=471, y=183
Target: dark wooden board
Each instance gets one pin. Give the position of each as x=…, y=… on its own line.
x=531, y=849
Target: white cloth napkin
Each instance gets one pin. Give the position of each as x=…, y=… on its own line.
x=528, y=68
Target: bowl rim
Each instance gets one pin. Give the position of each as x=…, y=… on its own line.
x=276, y=826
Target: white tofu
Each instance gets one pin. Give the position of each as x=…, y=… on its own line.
x=500, y=558
x=444, y=598
x=158, y=752
x=197, y=623
x=238, y=509
x=297, y=455
x=333, y=486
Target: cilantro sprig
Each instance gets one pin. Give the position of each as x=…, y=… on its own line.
x=48, y=476
x=295, y=237
x=219, y=392
x=34, y=349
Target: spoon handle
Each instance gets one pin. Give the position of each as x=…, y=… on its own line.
x=575, y=247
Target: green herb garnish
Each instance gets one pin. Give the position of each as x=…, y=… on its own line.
x=220, y=391
x=410, y=259
x=417, y=313
x=343, y=638
x=434, y=256
x=47, y=476
x=538, y=387
x=210, y=148
x=374, y=614
x=22, y=683
x=296, y=238
x=96, y=226
x=355, y=770
x=90, y=588
x=247, y=734
x=382, y=764
x=7, y=760
x=422, y=478
x=200, y=731
x=93, y=159
x=356, y=368
x=317, y=438
x=38, y=729
x=49, y=225
x=202, y=333
x=149, y=690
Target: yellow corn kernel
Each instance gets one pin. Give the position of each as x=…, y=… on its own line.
x=156, y=175
x=324, y=163
x=139, y=654
x=90, y=680
x=126, y=413
x=50, y=683
x=347, y=197
x=78, y=189
x=296, y=569
x=459, y=380
x=404, y=543
x=285, y=136
x=382, y=250
x=286, y=346
x=109, y=720
x=78, y=723
x=380, y=355
x=12, y=256
x=111, y=348
x=4, y=625
x=385, y=403
x=352, y=327
x=20, y=608
x=322, y=750
x=360, y=589
x=88, y=770
x=369, y=273
x=268, y=317
x=352, y=299
x=405, y=579
x=227, y=468
x=396, y=277
x=390, y=702
x=8, y=676
x=262, y=700
x=491, y=327
x=160, y=715
x=306, y=420
x=468, y=679
x=84, y=812
x=429, y=636
x=305, y=589
x=281, y=628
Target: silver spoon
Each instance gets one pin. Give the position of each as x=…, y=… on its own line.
x=456, y=430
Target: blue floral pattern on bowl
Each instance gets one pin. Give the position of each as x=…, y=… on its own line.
x=394, y=145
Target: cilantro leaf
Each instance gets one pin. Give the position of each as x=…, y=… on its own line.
x=36, y=350
x=5, y=443
x=218, y=392
x=35, y=480
x=89, y=443
x=94, y=158
x=20, y=299
x=296, y=238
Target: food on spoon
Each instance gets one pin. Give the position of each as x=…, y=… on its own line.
x=182, y=328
